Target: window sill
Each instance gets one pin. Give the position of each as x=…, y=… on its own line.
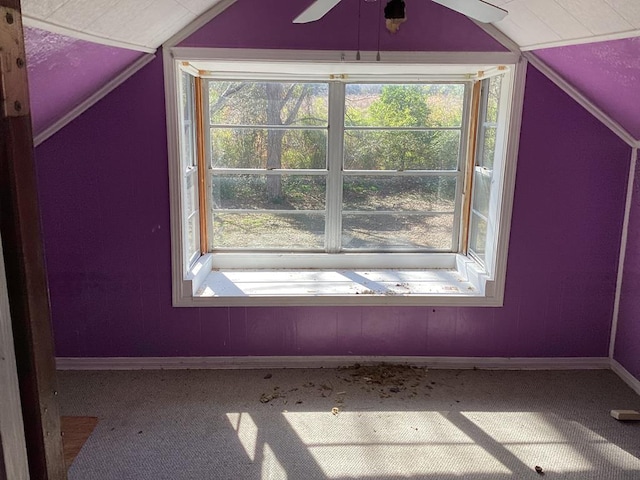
x=450, y=280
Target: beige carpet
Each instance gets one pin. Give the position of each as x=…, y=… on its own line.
x=370, y=423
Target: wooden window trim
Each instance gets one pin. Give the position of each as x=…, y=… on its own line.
x=201, y=163
x=474, y=122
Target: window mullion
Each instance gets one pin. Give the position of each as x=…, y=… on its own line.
x=207, y=156
x=333, y=227
x=482, y=124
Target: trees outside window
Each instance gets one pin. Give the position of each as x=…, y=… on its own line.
x=269, y=164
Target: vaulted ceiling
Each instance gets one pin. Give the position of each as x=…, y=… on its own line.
x=146, y=24
x=139, y=24
x=535, y=24
x=562, y=33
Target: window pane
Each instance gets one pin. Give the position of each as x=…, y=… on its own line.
x=483, y=172
x=268, y=103
x=186, y=95
x=395, y=105
x=493, y=100
x=431, y=194
x=268, y=148
x=401, y=150
x=388, y=231
x=478, y=236
x=269, y=192
x=187, y=106
x=489, y=147
x=193, y=235
x=188, y=156
x=268, y=230
x=191, y=193
x=481, y=190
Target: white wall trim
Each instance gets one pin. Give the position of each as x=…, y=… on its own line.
x=93, y=99
x=570, y=90
x=14, y=451
x=267, y=362
x=499, y=36
x=623, y=251
x=182, y=292
x=626, y=376
x=210, y=54
x=582, y=40
x=509, y=177
x=180, y=288
x=198, y=23
x=273, y=362
x=88, y=37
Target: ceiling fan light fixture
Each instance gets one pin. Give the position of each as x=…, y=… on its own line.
x=394, y=9
x=395, y=15
x=478, y=10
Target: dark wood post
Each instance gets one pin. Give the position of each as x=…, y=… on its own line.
x=24, y=260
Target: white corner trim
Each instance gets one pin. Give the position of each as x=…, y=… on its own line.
x=499, y=36
x=93, y=99
x=582, y=40
x=243, y=363
x=623, y=251
x=88, y=37
x=180, y=288
x=626, y=376
x=509, y=176
x=198, y=23
x=13, y=450
x=570, y=90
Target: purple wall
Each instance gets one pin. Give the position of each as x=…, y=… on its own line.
x=267, y=24
x=64, y=71
x=608, y=73
x=627, y=349
x=105, y=208
x=104, y=196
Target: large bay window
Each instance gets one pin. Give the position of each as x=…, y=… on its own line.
x=313, y=181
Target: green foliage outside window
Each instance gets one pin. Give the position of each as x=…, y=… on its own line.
x=388, y=127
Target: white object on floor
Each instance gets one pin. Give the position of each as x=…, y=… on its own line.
x=625, y=414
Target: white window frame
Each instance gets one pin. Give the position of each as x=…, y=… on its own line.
x=335, y=175
x=187, y=279
x=189, y=172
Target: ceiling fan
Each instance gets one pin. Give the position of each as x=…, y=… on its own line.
x=477, y=9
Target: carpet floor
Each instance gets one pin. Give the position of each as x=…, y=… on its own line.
x=385, y=422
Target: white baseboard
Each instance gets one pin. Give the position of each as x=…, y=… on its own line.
x=265, y=362
x=626, y=376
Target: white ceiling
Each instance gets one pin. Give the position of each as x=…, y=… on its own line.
x=535, y=24
x=146, y=24
x=138, y=24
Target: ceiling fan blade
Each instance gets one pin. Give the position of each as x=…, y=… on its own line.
x=477, y=9
x=316, y=11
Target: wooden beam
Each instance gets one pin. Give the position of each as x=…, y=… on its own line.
x=24, y=259
x=3, y=469
x=13, y=457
